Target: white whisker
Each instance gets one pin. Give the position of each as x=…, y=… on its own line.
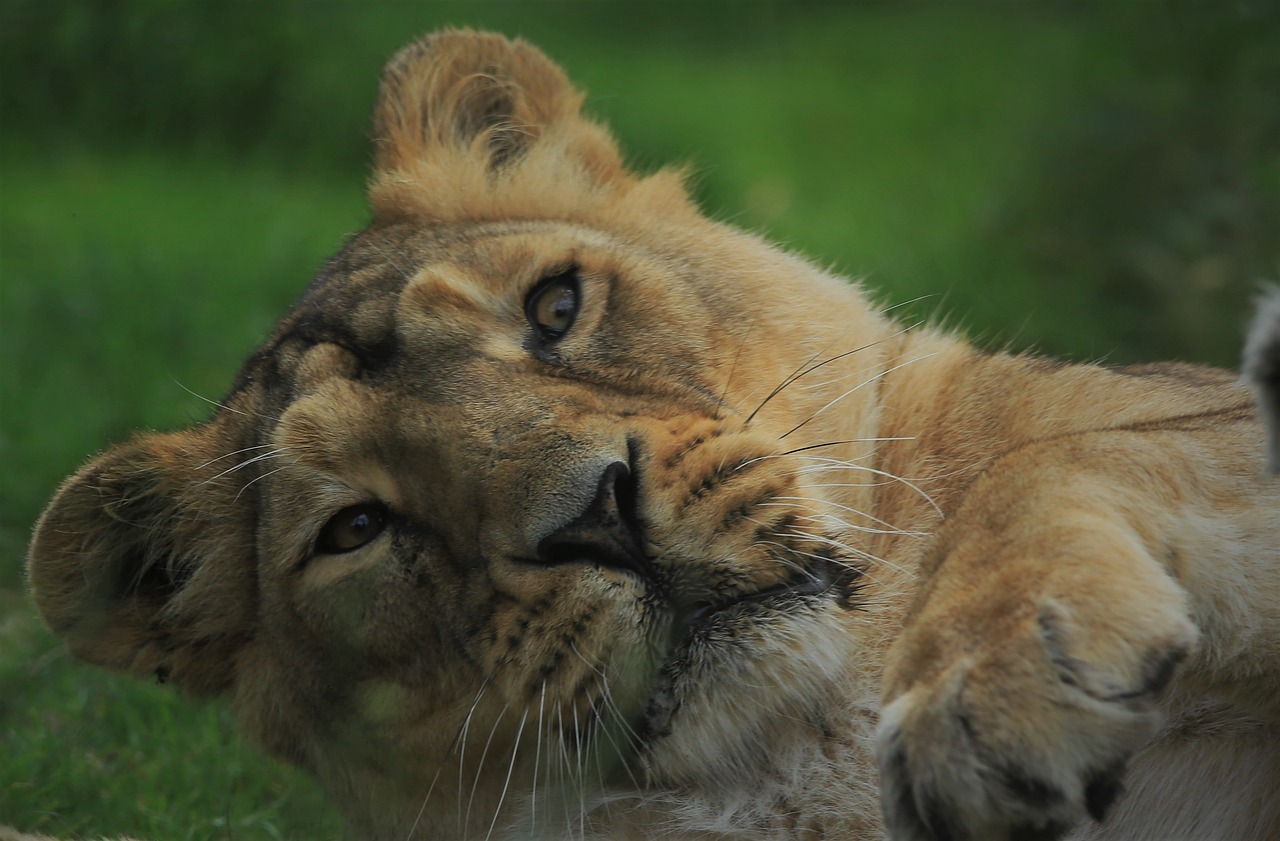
x=219, y=404
x=245, y=463
x=860, y=385
x=889, y=528
x=484, y=753
x=791, y=453
x=844, y=465
x=258, y=479
x=422, y=810
x=859, y=553
x=537, y=759
x=511, y=767
x=460, y=739
x=235, y=453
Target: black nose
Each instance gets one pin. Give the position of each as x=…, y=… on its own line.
x=607, y=532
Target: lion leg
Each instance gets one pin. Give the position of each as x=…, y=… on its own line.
x=1055, y=611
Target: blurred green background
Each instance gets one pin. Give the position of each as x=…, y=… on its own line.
x=1096, y=180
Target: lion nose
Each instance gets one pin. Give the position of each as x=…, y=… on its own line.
x=606, y=532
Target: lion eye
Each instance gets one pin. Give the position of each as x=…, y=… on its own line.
x=351, y=528
x=553, y=305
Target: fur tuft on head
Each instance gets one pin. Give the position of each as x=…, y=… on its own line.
x=471, y=126
x=1262, y=368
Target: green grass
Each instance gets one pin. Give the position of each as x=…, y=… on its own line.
x=133, y=287
x=161, y=204
x=89, y=753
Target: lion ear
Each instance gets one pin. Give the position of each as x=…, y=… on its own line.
x=145, y=564
x=470, y=101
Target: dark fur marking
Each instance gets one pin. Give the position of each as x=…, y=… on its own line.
x=1180, y=372
x=333, y=288
x=936, y=822
x=582, y=689
x=1028, y=788
x=895, y=768
x=730, y=520
x=156, y=581
x=966, y=724
x=1103, y=789
x=849, y=581
x=1030, y=832
x=1190, y=422
x=1160, y=669
x=674, y=460
x=1158, y=672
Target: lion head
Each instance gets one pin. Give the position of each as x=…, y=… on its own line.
x=533, y=512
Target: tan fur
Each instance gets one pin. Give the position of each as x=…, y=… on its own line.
x=660, y=577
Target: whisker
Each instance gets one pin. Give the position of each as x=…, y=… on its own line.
x=460, y=738
x=606, y=693
x=787, y=561
x=633, y=738
x=564, y=769
x=916, y=300
x=819, y=385
x=511, y=767
x=837, y=464
x=537, y=759
x=245, y=463
x=867, y=556
x=459, y=743
x=422, y=810
x=729, y=380
x=836, y=443
x=815, y=556
x=860, y=385
x=889, y=528
x=466, y=825
x=579, y=739
x=597, y=749
x=235, y=453
x=258, y=479
x=787, y=453
x=790, y=378
x=806, y=368
x=219, y=404
x=843, y=524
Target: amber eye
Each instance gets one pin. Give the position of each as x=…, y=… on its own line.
x=351, y=528
x=553, y=305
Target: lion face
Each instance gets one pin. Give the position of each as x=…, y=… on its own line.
x=516, y=511
x=527, y=504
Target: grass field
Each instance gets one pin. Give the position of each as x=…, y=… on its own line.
x=1101, y=186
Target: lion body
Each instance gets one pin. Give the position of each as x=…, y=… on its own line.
x=705, y=547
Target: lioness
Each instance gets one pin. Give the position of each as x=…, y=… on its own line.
x=554, y=509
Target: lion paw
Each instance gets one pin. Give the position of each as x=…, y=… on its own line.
x=1025, y=738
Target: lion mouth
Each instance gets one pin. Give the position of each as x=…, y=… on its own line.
x=826, y=577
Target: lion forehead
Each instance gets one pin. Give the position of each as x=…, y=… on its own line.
x=398, y=297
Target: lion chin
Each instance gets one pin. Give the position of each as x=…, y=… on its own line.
x=555, y=509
